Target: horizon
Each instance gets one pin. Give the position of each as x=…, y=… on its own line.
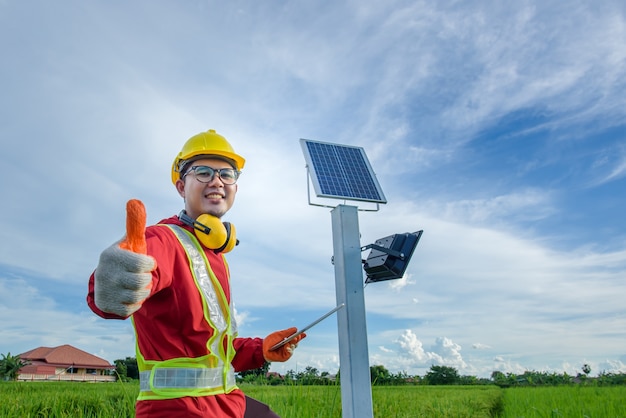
x=497, y=129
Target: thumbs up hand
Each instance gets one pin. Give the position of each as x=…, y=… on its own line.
x=123, y=278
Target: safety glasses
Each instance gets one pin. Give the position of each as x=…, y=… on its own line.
x=205, y=174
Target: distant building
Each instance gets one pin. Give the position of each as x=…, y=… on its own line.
x=64, y=363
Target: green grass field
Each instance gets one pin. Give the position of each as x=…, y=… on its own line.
x=565, y=401
x=76, y=400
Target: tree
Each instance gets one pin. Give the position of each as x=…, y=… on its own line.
x=402, y=378
x=121, y=370
x=310, y=376
x=469, y=380
x=290, y=376
x=586, y=369
x=499, y=378
x=442, y=375
x=255, y=374
x=127, y=369
x=10, y=366
x=379, y=375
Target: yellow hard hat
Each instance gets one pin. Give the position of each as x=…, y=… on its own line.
x=208, y=143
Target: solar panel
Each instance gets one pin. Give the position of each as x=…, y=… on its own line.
x=341, y=172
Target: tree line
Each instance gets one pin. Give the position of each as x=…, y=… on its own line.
x=380, y=376
x=127, y=370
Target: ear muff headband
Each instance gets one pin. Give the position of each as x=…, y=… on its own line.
x=211, y=232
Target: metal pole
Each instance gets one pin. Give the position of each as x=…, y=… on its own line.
x=356, y=390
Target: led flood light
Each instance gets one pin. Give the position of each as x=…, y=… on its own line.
x=390, y=256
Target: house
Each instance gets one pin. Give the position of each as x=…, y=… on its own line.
x=64, y=363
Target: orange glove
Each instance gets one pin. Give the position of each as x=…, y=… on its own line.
x=282, y=353
x=135, y=240
x=123, y=278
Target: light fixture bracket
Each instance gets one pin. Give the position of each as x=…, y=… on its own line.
x=385, y=250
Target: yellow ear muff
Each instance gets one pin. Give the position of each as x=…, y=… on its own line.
x=221, y=236
x=231, y=241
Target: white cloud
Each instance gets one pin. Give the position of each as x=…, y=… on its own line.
x=521, y=205
x=242, y=318
x=615, y=159
x=507, y=366
x=32, y=319
x=480, y=346
x=443, y=352
x=399, y=284
x=612, y=366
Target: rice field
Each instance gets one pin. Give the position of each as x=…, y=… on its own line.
x=565, y=401
x=76, y=400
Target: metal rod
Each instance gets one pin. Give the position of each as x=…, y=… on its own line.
x=311, y=325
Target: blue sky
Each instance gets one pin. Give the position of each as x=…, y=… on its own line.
x=498, y=128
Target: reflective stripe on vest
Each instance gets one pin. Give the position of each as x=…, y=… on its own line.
x=176, y=378
x=207, y=375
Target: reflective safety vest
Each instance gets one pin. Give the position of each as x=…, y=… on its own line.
x=211, y=374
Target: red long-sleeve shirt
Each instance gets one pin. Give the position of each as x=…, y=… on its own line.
x=171, y=324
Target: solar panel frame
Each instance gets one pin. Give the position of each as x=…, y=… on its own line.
x=341, y=172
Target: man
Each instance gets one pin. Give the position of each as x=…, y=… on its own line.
x=173, y=282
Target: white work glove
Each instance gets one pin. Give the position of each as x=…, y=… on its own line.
x=122, y=280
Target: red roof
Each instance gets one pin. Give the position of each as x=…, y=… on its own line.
x=66, y=355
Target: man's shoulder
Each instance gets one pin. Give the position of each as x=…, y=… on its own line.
x=161, y=229
x=172, y=220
